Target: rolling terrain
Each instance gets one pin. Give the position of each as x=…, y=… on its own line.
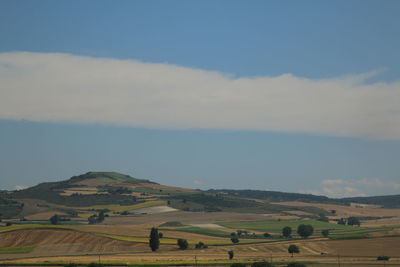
x=109, y=215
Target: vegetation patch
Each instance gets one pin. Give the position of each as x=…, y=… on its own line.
x=276, y=226
x=16, y=250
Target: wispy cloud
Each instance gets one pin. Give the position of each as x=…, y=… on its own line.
x=339, y=188
x=68, y=88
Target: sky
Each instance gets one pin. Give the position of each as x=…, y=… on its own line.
x=294, y=96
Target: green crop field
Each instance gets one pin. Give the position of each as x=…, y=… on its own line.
x=201, y=231
x=16, y=250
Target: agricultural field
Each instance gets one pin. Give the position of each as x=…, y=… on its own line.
x=131, y=207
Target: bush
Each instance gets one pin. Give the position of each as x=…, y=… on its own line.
x=353, y=221
x=182, y=244
x=71, y=265
x=95, y=264
x=383, y=258
x=266, y=235
x=238, y=265
x=201, y=245
x=262, y=264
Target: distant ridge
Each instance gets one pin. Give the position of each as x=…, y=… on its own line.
x=108, y=177
x=390, y=201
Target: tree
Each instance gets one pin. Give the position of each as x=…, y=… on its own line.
x=293, y=249
x=262, y=264
x=182, y=243
x=231, y=254
x=237, y=264
x=154, y=241
x=201, y=245
x=287, y=231
x=325, y=233
x=353, y=221
x=160, y=235
x=305, y=230
x=55, y=219
x=342, y=221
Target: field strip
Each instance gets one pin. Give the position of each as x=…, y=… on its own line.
x=119, y=208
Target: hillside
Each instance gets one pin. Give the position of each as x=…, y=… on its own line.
x=118, y=194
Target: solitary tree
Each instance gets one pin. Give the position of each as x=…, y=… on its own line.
x=286, y=231
x=353, y=221
x=154, y=241
x=231, y=254
x=305, y=230
x=293, y=249
x=182, y=244
x=325, y=233
x=55, y=219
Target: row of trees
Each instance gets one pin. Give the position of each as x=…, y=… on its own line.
x=303, y=230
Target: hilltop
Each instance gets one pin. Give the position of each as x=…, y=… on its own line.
x=120, y=195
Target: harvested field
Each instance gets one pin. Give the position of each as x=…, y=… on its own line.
x=63, y=242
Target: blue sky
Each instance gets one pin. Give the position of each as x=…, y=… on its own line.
x=296, y=96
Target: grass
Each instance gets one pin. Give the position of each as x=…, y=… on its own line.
x=348, y=236
x=16, y=250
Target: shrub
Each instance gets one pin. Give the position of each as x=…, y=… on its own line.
x=182, y=243
x=201, y=245
x=383, y=258
x=266, y=235
x=238, y=265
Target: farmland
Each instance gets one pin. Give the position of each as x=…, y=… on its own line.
x=131, y=207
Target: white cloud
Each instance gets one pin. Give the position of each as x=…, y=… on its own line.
x=339, y=188
x=68, y=88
